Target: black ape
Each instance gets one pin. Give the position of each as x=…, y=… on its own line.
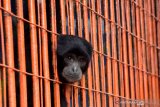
x=74, y=54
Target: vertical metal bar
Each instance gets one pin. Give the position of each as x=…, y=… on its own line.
x=54, y=54
x=158, y=36
x=75, y=103
x=144, y=53
x=79, y=27
x=71, y=16
x=95, y=55
x=86, y=32
x=67, y=17
x=151, y=49
x=21, y=55
x=135, y=50
x=92, y=64
x=83, y=92
x=138, y=25
x=40, y=54
x=120, y=47
x=114, y=51
x=10, y=55
x=148, y=53
x=108, y=38
x=71, y=30
x=101, y=48
x=4, y=89
x=1, y=87
x=154, y=49
x=34, y=55
x=130, y=50
x=125, y=52
x=63, y=16
x=47, y=91
x=67, y=91
x=79, y=18
x=2, y=72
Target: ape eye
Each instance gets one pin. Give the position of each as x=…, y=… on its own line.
x=82, y=61
x=68, y=58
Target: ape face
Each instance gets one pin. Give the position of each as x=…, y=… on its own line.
x=74, y=54
x=73, y=70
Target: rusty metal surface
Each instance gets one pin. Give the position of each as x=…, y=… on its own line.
x=125, y=65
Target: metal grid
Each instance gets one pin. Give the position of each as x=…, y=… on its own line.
x=125, y=67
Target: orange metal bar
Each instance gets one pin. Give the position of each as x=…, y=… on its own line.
x=10, y=55
x=150, y=40
x=107, y=31
x=130, y=50
x=47, y=91
x=120, y=44
x=3, y=62
x=70, y=7
x=40, y=54
x=92, y=64
x=154, y=49
x=72, y=31
x=1, y=73
x=95, y=55
x=101, y=49
x=158, y=33
x=147, y=54
x=144, y=54
x=135, y=51
x=68, y=17
x=114, y=52
x=79, y=27
x=34, y=53
x=71, y=17
x=79, y=18
x=3, y=94
x=1, y=88
x=86, y=32
x=126, y=79
x=139, y=44
x=63, y=16
x=75, y=96
x=54, y=54
x=21, y=55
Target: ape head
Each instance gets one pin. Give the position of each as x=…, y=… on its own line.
x=74, y=54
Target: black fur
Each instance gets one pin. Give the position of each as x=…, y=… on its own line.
x=68, y=43
x=79, y=47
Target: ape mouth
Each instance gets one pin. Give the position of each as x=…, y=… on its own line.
x=71, y=78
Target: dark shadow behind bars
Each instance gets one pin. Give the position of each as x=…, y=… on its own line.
x=125, y=66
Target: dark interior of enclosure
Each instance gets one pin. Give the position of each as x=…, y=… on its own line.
x=125, y=66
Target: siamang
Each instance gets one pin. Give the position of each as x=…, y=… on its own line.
x=73, y=54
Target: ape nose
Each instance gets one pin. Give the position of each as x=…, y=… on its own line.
x=74, y=69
